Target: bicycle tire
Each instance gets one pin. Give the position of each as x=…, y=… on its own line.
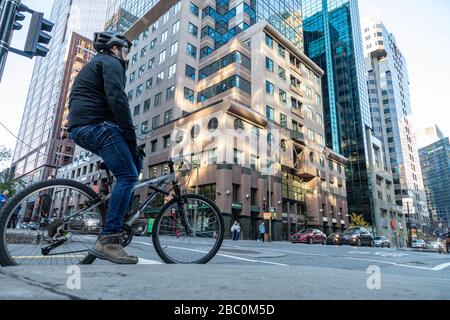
x=5, y=259
x=157, y=244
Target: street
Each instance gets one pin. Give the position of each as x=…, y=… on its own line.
x=244, y=270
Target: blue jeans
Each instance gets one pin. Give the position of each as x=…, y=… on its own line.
x=107, y=141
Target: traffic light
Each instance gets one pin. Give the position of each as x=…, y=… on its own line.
x=19, y=17
x=38, y=35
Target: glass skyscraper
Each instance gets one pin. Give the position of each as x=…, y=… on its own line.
x=332, y=36
x=435, y=163
x=32, y=155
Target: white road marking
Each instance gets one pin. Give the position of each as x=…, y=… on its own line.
x=441, y=266
x=436, y=268
x=146, y=261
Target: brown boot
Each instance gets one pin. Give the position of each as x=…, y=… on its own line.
x=108, y=248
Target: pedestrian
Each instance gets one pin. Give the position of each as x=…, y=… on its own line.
x=14, y=217
x=4, y=198
x=442, y=233
x=262, y=231
x=238, y=230
x=233, y=231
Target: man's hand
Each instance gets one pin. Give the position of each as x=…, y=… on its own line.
x=138, y=153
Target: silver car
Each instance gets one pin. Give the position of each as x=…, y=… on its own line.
x=382, y=242
x=419, y=244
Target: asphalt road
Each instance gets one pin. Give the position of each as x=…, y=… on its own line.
x=244, y=270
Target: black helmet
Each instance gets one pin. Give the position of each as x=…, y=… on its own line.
x=107, y=39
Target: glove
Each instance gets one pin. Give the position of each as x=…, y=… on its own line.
x=138, y=154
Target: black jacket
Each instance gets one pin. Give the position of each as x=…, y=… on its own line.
x=98, y=94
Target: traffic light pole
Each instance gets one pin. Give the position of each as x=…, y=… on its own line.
x=6, y=30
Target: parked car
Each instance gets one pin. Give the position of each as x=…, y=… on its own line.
x=334, y=239
x=382, y=242
x=86, y=222
x=310, y=236
x=419, y=244
x=357, y=236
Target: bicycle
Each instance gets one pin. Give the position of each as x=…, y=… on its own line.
x=188, y=228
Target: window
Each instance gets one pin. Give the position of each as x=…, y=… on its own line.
x=134, y=59
x=189, y=72
x=170, y=93
x=166, y=141
x=132, y=77
x=269, y=88
x=318, y=99
x=153, y=44
x=205, y=51
x=310, y=113
x=283, y=120
x=149, y=84
x=176, y=27
x=319, y=119
x=177, y=8
x=254, y=162
x=282, y=73
x=189, y=94
x=145, y=34
x=164, y=36
x=269, y=41
x=151, y=64
x=237, y=157
x=144, y=51
x=195, y=131
x=238, y=125
x=193, y=9
x=283, y=96
x=144, y=127
x=281, y=51
x=160, y=77
x=130, y=95
x=147, y=105
x=162, y=57
x=153, y=145
x=193, y=29
x=310, y=134
x=155, y=122
x=158, y=99
x=232, y=82
x=212, y=156
x=191, y=50
x=174, y=49
x=137, y=110
x=172, y=70
x=213, y=124
x=168, y=116
x=224, y=62
x=141, y=70
x=165, y=17
x=139, y=90
x=270, y=113
x=269, y=64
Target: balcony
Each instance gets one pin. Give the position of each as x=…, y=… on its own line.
x=297, y=90
x=307, y=171
x=297, y=136
x=298, y=113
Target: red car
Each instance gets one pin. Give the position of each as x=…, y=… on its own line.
x=310, y=236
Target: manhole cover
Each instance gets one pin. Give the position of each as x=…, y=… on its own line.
x=241, y=251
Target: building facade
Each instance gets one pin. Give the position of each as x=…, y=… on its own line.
x=248, y=116
x=429, y=135
x=388, y=88
x=36, y=156
x=435, y=162
x=332, y=38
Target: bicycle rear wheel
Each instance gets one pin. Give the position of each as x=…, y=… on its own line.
x=175, y=244
x=61, y=239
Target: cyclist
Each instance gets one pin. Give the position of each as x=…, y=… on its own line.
x=100, y=122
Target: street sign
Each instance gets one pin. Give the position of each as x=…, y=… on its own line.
x=267, y=215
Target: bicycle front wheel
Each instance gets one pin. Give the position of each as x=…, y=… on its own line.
x=53, y=222
x=197, y=243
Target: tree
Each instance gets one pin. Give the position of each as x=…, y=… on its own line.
x=7, y=181
x=358, y=221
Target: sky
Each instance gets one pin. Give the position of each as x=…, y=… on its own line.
x=421, y=28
